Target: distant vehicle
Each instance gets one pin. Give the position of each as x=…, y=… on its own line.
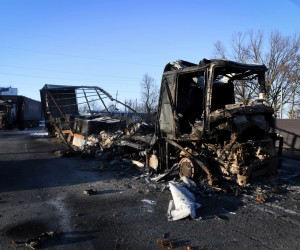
x=19, y=112
x=6, y=121
x=201, y=125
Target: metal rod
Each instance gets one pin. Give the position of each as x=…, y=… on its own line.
x=87, y=102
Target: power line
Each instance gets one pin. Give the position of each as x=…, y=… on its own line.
x=116, y=82
x=69, y=72
x=77, y=56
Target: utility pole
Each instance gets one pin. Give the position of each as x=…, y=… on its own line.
x=135, y=103
x=281, y=102
x=292, y=112
x=116, y=100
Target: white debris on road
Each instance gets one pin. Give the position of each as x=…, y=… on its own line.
x=188, y=182
x=149, y=201
x=183, y=204
x=148, y=205
x=138, y=163
x=40, y=134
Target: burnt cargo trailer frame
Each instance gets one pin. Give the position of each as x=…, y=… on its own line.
x=61, y=105
x=58, y=102
x=26, y=112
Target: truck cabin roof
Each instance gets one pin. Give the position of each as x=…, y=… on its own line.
x=226, y=65
x=232, y=70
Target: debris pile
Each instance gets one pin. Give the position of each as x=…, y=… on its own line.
x=130, y=144
x=199, y=125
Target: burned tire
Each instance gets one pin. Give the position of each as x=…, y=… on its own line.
x=189, y=168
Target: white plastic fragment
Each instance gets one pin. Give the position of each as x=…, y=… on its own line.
x=183, y=204
x=138, y=163
x=40, y=134
x=161, y=176
x=148, y=205
x=151, y=202
x=188, y=182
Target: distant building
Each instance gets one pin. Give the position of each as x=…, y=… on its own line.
x=8, y=91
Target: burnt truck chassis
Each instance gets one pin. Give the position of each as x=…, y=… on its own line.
x=202, y=127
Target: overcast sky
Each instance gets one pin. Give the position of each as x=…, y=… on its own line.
x=112, y=44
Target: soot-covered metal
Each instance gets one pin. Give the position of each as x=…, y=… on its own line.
x=203, y=126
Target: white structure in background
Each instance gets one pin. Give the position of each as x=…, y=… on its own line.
x=8, y=91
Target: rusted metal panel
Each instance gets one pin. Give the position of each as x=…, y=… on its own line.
x=289, y=129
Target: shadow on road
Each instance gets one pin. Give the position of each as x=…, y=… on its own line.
x=67, y=238
x=34, y=163
x=49, y=173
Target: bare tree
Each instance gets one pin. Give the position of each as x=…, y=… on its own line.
x=83, y=109
x=131, y=103
x=149, y=94
x=94, y=105
x=281, y=55
x=220, y=50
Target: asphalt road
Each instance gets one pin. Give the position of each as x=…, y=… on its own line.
x=41, y=191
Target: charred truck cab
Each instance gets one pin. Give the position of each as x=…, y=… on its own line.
x=203, y=125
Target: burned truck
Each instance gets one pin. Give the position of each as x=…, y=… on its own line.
x=19, y=112
x=206, y=126
x=6, y=115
